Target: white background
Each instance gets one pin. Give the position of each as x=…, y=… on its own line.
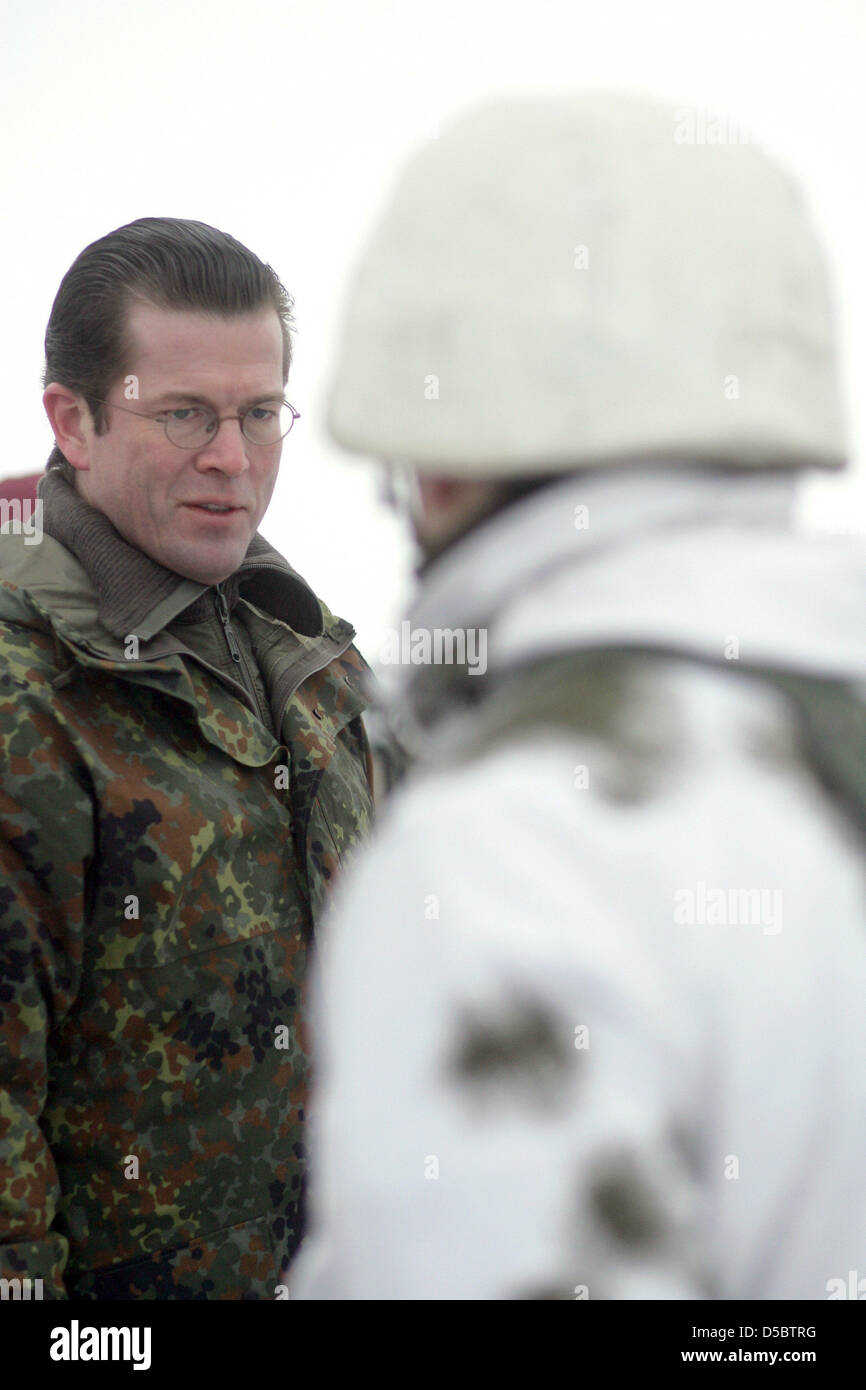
x=283, y=123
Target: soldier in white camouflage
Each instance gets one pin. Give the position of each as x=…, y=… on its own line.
x=593, y=1019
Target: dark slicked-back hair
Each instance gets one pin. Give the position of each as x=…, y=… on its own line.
x=166, y=261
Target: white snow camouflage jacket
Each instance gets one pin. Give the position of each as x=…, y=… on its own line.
x=586, y=1035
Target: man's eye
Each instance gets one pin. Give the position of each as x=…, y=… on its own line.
x=185, y=413
x=261, y=412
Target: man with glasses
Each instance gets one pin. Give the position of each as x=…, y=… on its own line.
x=183, y=769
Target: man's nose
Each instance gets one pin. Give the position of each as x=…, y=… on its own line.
x=227, y=450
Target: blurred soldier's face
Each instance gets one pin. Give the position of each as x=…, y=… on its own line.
x=154, y=492
x=441, y=508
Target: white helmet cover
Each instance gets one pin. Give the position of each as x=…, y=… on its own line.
x=559, y=283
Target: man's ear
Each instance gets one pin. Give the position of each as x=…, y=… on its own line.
x=71, y=422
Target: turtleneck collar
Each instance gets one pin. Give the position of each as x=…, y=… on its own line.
x=130, y=585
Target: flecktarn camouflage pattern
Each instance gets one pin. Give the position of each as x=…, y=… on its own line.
x=164, y=860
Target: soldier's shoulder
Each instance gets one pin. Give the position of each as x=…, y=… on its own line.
x=16, y=606
x=612, y=706
x=28, y=652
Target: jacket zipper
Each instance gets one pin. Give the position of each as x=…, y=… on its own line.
x=237, y=655
x=222, y=609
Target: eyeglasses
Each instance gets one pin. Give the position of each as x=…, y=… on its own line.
x=194, y=426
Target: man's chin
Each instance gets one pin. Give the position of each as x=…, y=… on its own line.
x=208, y=571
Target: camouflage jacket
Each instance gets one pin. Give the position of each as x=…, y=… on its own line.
x=164, y=859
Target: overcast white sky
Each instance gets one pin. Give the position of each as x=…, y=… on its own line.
x=283, y=123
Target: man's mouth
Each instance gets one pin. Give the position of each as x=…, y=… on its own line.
x=213, y=506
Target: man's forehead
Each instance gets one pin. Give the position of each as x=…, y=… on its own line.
x=165, y=341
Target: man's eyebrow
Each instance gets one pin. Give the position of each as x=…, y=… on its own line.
x=193, y=398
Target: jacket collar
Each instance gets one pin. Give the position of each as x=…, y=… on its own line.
x=681, y=560
x=573, y=522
